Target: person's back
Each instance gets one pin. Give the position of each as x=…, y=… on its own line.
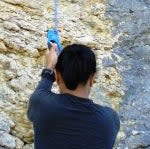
x=70, y=120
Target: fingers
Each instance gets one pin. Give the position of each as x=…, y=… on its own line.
x=52, y=50
x=54, y=45
x=51, y=56
x=55, y=48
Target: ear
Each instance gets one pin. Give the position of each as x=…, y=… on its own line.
x=92, y=78
x=58, y=77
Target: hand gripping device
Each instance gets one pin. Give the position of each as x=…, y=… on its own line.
x=53, y=37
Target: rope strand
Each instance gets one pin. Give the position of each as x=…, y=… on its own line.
x=56, y=15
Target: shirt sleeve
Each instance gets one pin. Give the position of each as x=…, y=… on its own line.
x=43, y=89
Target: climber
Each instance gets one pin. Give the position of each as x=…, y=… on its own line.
x=70, y=120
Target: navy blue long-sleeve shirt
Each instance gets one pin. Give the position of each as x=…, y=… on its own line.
x=64, y=121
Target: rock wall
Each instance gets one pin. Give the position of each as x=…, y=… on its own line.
x=119, y=32
x=131, y=19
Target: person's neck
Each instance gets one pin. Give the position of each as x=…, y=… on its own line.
x=79, y=92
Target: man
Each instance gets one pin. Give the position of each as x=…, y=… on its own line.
x=70, y=120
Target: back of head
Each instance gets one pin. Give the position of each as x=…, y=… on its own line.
x=76, y=64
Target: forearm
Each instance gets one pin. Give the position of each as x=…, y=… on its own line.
x=47, y=75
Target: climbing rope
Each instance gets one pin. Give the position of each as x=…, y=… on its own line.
x=52, y=34
x=56, y=15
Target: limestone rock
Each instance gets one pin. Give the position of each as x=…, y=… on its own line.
x=29, y=146
x=11, y=26
x=2, y=147
x=139, y=141
x=118, y=31
x=19, y=144
x=2, y=46
x=131, y=52
x=5, y=123
x=6, y=140
x=108, y=62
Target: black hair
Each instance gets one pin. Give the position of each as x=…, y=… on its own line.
x=76, y=64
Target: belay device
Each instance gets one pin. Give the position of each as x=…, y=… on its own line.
x=52, y=34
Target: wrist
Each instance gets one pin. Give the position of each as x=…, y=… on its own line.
x=50, y=67
x=49, y=74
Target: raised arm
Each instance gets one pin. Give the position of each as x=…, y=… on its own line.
x=47, y=78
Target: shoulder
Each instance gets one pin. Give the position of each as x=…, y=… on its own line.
x=39, y=96
x=109, y=116
x=111, y=126
x=107, y=110
x=115, y=117
x=111, y=111
x=41, y=100
x=42, y=103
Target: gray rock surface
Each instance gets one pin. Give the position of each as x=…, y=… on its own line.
x=132, y=26
x=5, y=123
x=6, y=140
x=2, y=147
